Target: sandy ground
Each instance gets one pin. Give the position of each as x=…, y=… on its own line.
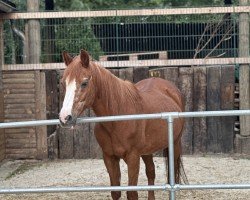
x=199, y=169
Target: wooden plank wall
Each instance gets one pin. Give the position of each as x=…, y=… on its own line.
x=24, y=100
x=19, y=105
x=204, y=88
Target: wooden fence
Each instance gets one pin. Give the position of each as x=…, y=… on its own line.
x=204, y=88
x=24, y=95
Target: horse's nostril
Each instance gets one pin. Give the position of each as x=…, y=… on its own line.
x=68, y=118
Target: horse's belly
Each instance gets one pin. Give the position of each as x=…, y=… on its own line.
x=156, y=135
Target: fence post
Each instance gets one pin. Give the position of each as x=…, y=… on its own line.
x=171, y=157
x=34, y=40
x=2, y=135
x=34, y=50
x=244, y=80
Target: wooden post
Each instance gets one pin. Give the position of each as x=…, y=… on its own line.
x=34, y=33
x=2, y=134
x=244, y=81
x=186, y=83
x=34, y=51
x=213, y=103
x=200, y=104
x=41, y=131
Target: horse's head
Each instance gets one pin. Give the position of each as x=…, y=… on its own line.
x=80, y=90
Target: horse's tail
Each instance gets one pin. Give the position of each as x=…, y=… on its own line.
x=180, y=174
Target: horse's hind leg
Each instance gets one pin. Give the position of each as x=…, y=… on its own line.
x=113, y=167
x=150, y=172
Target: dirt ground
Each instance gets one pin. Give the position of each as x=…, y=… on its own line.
x=199, y=170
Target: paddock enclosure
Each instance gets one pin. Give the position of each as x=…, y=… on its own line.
x=206, y=57
x=201, y=135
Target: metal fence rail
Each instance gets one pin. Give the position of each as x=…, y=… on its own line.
x=171, y=187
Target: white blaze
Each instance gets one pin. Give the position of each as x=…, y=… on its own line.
x=68, y=100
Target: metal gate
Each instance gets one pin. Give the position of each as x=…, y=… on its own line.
x=172, y=187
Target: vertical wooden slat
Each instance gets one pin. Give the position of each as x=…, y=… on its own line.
x=186, y=87
x=40, y=99
x=34, y=33
x=171, y=74
x=66, y=143
x=140, y=73
x=81, y=145
x=244, y=73
x=213, y=103
x=51, y=98
x=126, y=74
x=199, y=104
x=2, y=134
x=227, y=103
x=53, y=145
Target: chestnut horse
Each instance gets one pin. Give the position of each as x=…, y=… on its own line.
x=89, y=85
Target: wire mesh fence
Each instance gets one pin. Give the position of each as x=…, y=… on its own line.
x=180, y=37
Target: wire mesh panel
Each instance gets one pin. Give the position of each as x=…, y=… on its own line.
x=179, y=36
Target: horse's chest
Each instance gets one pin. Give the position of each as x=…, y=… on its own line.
x=122, y=138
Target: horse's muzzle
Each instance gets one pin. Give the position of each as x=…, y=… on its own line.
x=70, y=122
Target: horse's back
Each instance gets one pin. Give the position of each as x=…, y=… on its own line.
x=161, y=93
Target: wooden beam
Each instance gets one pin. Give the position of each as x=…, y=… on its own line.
x=135, y=56
x=134, y=63
x=244, y=73
x=227, y=88
x=186, y=87
x=34, y=40
x=213, y=103
x=200, y=104
x=40, y=100
x=2, y=133
x=141, y=12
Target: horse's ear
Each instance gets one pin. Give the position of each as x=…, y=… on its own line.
x=66, y=58
x=84, y=58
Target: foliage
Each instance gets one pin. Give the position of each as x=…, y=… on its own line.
x=79, y=36
x=131, y=4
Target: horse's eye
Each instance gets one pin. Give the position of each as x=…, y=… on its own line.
x=84, y=84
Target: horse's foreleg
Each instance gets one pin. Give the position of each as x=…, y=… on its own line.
x=133, y=162
x=150, y=172
x=113, y=167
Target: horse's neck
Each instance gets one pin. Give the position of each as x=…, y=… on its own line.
x=111, y=96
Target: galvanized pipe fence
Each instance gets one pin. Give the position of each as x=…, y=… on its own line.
x=172, y=187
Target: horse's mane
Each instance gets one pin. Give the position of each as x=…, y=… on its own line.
x=118, y=94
